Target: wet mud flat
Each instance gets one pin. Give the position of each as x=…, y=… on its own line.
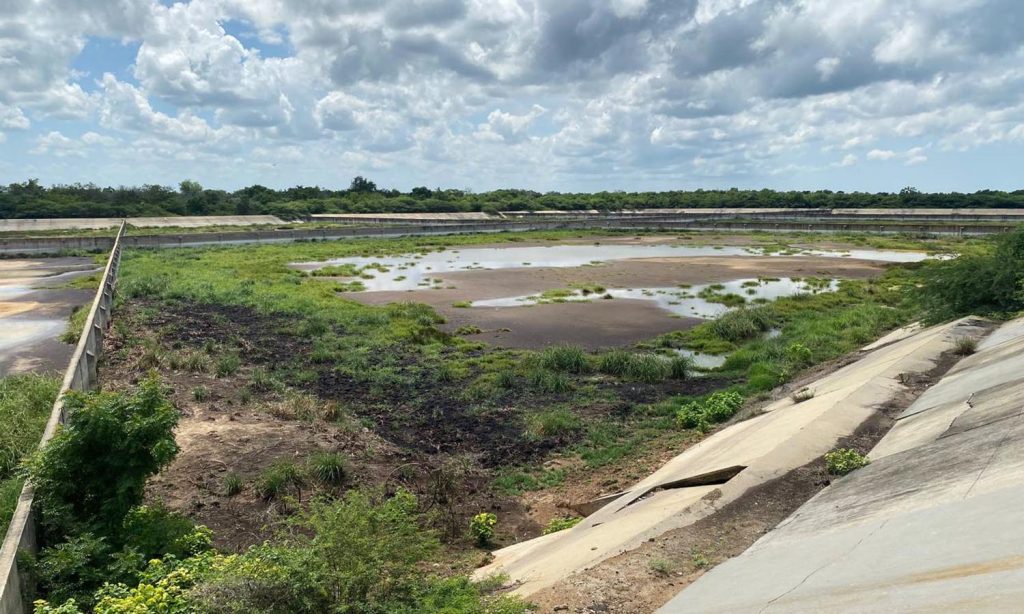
x=34, y=310
x=598, y=323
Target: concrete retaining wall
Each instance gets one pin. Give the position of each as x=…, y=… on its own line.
x=15, y=591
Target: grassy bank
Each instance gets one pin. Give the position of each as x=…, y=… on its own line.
x=25, y=404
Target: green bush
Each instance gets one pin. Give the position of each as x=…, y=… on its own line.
x=718, y=407
x=990, y=282
x=561, y=524
x=649, y=368
x=94, y=470
x=844, y=460
x=565, y=358
x=798, y=354
x=643, y=367
x=482, y=527
x=615, y=362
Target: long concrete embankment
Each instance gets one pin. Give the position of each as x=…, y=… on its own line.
x=733, y=462
x=932, y=524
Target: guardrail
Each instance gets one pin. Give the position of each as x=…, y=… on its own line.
x=81, y=376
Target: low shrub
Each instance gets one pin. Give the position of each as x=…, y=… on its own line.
x=799, y=355
x=95, y=469
x=844, y=460
x=716, y=408
x=482, y=527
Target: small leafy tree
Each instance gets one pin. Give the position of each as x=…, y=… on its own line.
x=94, y=470
x=986, y=283
x=362, y=185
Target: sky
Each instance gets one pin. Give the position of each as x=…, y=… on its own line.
x=565, y=95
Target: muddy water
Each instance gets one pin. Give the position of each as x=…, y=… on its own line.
x=686, y=301
x=34, y=310
x=418, y=271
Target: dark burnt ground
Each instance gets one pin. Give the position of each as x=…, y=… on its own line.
x=426, y=416
x=423, y=435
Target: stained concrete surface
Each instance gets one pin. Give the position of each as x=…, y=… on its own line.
x=94, y=223
x=34, y=311
x=932, y=524
x=786, y=436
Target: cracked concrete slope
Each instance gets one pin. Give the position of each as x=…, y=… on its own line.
x=786, y=436
x=931, y=524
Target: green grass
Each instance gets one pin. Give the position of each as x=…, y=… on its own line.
x=233, y=484
x=10, y=490
x=277, y=480
x=553, y=423
x=336, y=270
x=25, y=404
x=565, y=358
x=76, y=324
x=328, y=467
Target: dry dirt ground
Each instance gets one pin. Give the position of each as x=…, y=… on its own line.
x=644, y=579
x=598, y=324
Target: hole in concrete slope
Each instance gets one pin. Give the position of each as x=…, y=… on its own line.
x=711, y=478
x=718, y=476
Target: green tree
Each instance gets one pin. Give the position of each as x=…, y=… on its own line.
x=362, y=185
x=94, y=470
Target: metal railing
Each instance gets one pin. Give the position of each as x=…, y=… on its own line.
x=81, y=376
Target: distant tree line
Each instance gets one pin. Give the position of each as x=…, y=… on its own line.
x=32, y=200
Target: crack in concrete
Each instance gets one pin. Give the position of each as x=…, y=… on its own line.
x=992, y=457
x=827, y=564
